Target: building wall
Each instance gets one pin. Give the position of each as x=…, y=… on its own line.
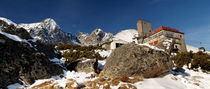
x=113, y=43
x=159, y=37
x=179, y=40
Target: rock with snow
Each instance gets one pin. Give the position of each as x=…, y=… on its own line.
x=6, y=21
x=48, y=31
x=11, y=28
x=85, y=65
x=96, y=38
x=132, y=59
x=20, y=59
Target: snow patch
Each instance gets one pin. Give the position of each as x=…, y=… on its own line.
x=152, y=47
x=15, y=86
x=15, y=38
x=167, y=43
x=57, y=61
x=104, y=53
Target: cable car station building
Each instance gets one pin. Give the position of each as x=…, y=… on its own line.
x=161, y=36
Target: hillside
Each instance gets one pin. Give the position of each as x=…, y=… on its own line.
x=171, y=80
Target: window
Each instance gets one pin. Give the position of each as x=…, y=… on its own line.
x=118, y=45
x=170, y=34
x=161, y=33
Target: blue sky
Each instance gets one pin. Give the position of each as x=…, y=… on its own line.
x=189, y=16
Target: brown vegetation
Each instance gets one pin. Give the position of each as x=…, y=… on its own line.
x=199, y=59
x=77, y=52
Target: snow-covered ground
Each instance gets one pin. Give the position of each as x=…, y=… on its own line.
x=188, y=80
x=172, y=80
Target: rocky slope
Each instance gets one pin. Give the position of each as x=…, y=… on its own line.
x=22, y=58
x=96, y=38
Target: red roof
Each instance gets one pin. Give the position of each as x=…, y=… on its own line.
x=162, y=28
x=166, y=28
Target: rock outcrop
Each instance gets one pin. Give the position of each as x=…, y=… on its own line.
x=88, y=65
x=133, y=59
x=96, y=38
x=21, y=57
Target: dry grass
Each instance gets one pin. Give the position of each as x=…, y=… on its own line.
x=127, y=86
x=70, y=84
x=174, y=78
x=99, y=82
x=196, y=84
x=42, y=85
x=115, y=81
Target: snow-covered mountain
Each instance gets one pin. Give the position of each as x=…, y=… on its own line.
x=126, y=35
x=48, y=31
x=97, y=37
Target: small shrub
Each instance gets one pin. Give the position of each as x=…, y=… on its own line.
x=182, y=58
x=196, y=60
x=200, y=59
x=81, y=52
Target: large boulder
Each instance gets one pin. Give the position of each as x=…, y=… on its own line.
x=132, y=59
x=85, y=65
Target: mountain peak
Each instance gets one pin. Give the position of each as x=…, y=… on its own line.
x=48, y=31
x=49, y=22
x=98, y=32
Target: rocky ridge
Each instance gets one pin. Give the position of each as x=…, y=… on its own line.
x=96, y=38
x=47, y=31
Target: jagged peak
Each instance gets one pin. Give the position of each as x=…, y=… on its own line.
x=49, y=20
x=9, y=22
x=98, y=31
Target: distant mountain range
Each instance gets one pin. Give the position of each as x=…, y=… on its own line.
x=46, y=31
x=49, y=31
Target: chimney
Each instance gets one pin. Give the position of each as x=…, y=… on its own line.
x=143, y=27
